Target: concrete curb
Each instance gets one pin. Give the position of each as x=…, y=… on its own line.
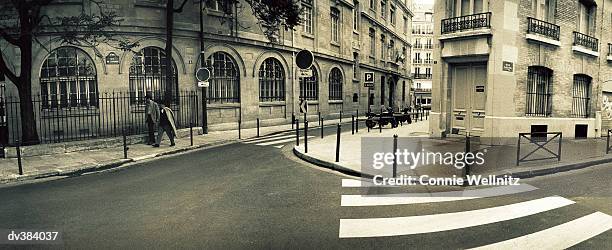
x=106, y=165
x=520, y=174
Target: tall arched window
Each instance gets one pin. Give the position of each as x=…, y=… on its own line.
x=224, y=78
x=309, y=86
x=335, y=84
x=68, y=79
x=148, y=75
x=271, y=81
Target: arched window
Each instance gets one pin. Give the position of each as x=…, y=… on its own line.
x=539, y=91
x=68, y=79
x=224, y=78
x=271, y=81
x=309, y=86
x=581, y=95
x=148, y=76
x=335, y=84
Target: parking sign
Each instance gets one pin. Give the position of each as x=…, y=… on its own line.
x=369, y=79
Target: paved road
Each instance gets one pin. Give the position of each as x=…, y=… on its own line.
x=259, y=196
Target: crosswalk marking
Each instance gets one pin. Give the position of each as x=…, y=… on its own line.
x=276, y=142
x=375, y=227
x=357, y=183
x=414, y=198
x=560, y=236
x=268, y=139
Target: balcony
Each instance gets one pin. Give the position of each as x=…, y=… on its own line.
x=421, y=76
x=609, y=52
x=466, y=23
x=541, y=31
x=428, y=61
x=417, y=61
x=585, y=44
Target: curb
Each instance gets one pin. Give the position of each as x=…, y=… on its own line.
x=106, y=165
x=520, y=174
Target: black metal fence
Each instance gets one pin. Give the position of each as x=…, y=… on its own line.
x=540, y=140
x=108, y=116
x=540, y=27
x=469, y=22
x=586, y=41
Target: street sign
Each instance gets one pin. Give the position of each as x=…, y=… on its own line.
x=203, y=84
x=303, y=106
x=304, y=72
x=369, y=79
x=203, y=74
x=304, y=59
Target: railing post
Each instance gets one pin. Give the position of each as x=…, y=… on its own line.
x=125, y=147
x=518, y=150
x=338, y=143
x=559, y=150
x=352, y=124
x=297, y=132
x=394, y=156
x=306, y=137
x=19, y=158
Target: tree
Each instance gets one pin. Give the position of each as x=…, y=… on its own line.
x=85, y=30
x=169, y=88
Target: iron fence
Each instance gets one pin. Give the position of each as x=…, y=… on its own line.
x=469, y=22
x=586, y=41
x=539, y=140
x=108, y=116
x=543, y=28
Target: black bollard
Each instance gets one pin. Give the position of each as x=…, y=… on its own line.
x=340, y=116
x=257, y=127
x=467, y=150
x=292, y=120
x=338, y=144
x=297, y=132
x=352, y=124
x=240, y=128
x=321, y=127
x=191, y=133
x=306, y=137
x=19, y=158
x=394, y=156
x=320, y=118
x=380, y=126
x=125, y=147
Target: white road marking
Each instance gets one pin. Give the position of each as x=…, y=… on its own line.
x=277, y=142
x=414, y=198
x=267, y=139
x=561, y=236
x=279, y=146
x=359, y=183
x=376, y=227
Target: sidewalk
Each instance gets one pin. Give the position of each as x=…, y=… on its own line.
x=500, y=157
x=89, y=157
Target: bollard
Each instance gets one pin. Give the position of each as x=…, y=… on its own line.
x=19, y=158
x=352, y=124
x=338, y=144
x=257, y=127
x=191, y=133
x=380, y=126
x=340, y=116
x=321, y=127
x=306, y=137
x=320, y=118
x=292, y=120
x=394, y=156
x=422, y=112
x=297, y=132
x=240, y=128
x=467, y=150
x=357, y=124
x=125, y=147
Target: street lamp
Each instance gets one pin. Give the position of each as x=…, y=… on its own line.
x=202, y=63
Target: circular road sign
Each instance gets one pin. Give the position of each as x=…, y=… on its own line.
x=304, y=59
x=203, y=74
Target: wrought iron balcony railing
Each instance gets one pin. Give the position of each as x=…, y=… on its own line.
x=470, y=22
x=421, y=76
x=543, y=28
x=417, y=61
x=586, y=41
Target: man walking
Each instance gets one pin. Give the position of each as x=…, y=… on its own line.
x=166, y=124
x=152, y=113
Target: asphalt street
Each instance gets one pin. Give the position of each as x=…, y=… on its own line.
x=253, y=196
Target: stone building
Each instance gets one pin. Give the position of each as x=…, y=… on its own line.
x=251, y=77
x=513, y=66
x=422, y=53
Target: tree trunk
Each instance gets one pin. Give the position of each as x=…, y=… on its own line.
x=169, y=86
x=29, y=133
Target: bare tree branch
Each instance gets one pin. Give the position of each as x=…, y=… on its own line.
x=180, y=9
x=8, y=37
x=10, y=74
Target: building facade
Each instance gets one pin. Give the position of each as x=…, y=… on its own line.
x=513, y=66
x=422, y=54
x=251, y=78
